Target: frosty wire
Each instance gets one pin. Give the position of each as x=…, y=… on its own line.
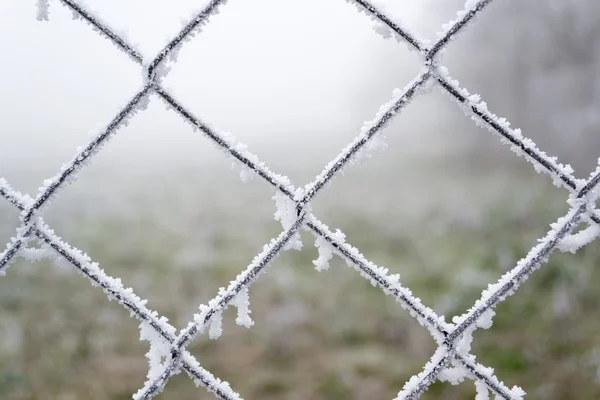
x=452, y=361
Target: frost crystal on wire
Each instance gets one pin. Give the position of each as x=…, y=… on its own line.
x=286, y=214
x=482, y=391
x=242, y=302
x=159, y=350
x=37, y=254
x=42, y=10
x=326, y=250
x=215, y=329
x=452, y=360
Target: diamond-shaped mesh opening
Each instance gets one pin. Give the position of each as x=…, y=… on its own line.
x=264, y=89
x=43, y=340
x=534, y=68
x=36, y=132
x=451, y=361
x=172, y=242
x=478, y=227
x=307, y=337
x=547, y=321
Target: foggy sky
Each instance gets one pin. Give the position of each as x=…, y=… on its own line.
x=277, y=74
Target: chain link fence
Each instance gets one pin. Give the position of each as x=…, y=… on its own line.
x=168, y=355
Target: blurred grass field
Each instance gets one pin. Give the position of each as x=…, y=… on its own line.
x=317, y=335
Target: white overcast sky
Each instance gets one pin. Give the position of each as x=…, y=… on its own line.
x=275, y=73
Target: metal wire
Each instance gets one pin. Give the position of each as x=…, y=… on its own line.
x=447, y=335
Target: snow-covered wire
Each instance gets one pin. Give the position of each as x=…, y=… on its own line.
x=251, y=161
x=471, y=9
x=496, y=293
x=216, y=306
x=68, y=171
x=115, y=291
x=561, y=174
x=452, y=360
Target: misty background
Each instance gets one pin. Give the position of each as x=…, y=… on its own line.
x=446, y=204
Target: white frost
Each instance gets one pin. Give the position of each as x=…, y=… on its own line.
x=470, y=5
x=485, y=321
x=574, y=242
x=286, y=214
x=325, y=254
x=477, y=109
x=453, y=375
x=216, y=326
x=37, y=254
x=482, y=391
x=240, y=148
x=458, y=373
x=395, y=12
x=326, y=250
x=42, y=10
x=245, y=174
x=242, y=302
x=159, y=350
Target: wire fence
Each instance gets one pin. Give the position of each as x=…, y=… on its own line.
x=452, y=361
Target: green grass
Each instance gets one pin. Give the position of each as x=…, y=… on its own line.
x=318, y=335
